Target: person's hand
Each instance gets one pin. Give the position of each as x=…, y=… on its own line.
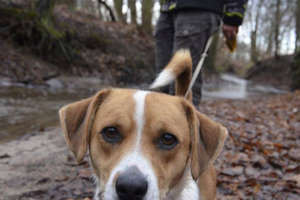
x=230, y=32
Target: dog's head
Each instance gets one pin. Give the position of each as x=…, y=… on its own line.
x=140, y=143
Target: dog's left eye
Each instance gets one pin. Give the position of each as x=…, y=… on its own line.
x=167, y=141
x=111, y=135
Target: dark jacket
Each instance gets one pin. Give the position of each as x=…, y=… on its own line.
x=231, y=10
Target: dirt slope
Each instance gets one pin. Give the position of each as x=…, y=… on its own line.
x=118, y=52
x=276, y=72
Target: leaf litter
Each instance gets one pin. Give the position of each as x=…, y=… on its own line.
x=261, y=158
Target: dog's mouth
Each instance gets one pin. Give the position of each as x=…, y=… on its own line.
x=100, y=197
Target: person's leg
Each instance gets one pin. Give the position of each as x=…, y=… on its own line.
x=164, y=40
x=192, y=30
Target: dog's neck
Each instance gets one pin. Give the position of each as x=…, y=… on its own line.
x=186, y=188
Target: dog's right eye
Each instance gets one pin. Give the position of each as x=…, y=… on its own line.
x=111, y=135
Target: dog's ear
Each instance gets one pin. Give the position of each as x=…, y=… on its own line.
x=207, y=138
x=76, y=120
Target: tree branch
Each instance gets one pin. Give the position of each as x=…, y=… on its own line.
x=112, y=16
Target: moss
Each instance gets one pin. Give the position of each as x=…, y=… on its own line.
x=48, y=28
x=28, y=28
x=95, y=40
x=18, y=13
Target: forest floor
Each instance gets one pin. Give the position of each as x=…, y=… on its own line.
x=261, y=158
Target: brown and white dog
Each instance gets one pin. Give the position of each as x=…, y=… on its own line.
x=146, y=145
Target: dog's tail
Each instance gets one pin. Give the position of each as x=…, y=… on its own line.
x=179, y=69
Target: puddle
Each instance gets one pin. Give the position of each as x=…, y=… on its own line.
x=25, y=110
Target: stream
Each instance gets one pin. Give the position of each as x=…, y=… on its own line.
x=27, y=110
x=232, y=87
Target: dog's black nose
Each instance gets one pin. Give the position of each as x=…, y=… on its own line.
x=131, y=185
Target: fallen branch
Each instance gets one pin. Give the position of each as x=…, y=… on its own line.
x=111, y=13
x=33, y=80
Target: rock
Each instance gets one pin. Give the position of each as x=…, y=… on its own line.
x=234, y=171
x=54, y=83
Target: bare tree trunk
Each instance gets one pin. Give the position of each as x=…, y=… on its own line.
x=295, y=68
x=297, y=45
x=132, y=7
x=89, y=6
x=118, y=7
x=277, y=28
x=79, y=4
x=254, y=54
x=100, y=13
x=270, y=46
x=45, y=8
x=295, y=72
x=147, y=6
x=253, y=46
x=161, y=2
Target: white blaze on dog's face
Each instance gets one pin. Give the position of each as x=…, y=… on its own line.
x=141, y=144
x=144, y=131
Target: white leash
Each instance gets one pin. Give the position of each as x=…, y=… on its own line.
x=199, y=66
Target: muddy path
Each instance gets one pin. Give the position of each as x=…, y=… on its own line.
x=260, y=159
x=40, y=167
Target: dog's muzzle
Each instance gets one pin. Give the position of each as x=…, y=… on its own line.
x=131, y=185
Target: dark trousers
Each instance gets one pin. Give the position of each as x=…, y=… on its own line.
x=189, y=29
